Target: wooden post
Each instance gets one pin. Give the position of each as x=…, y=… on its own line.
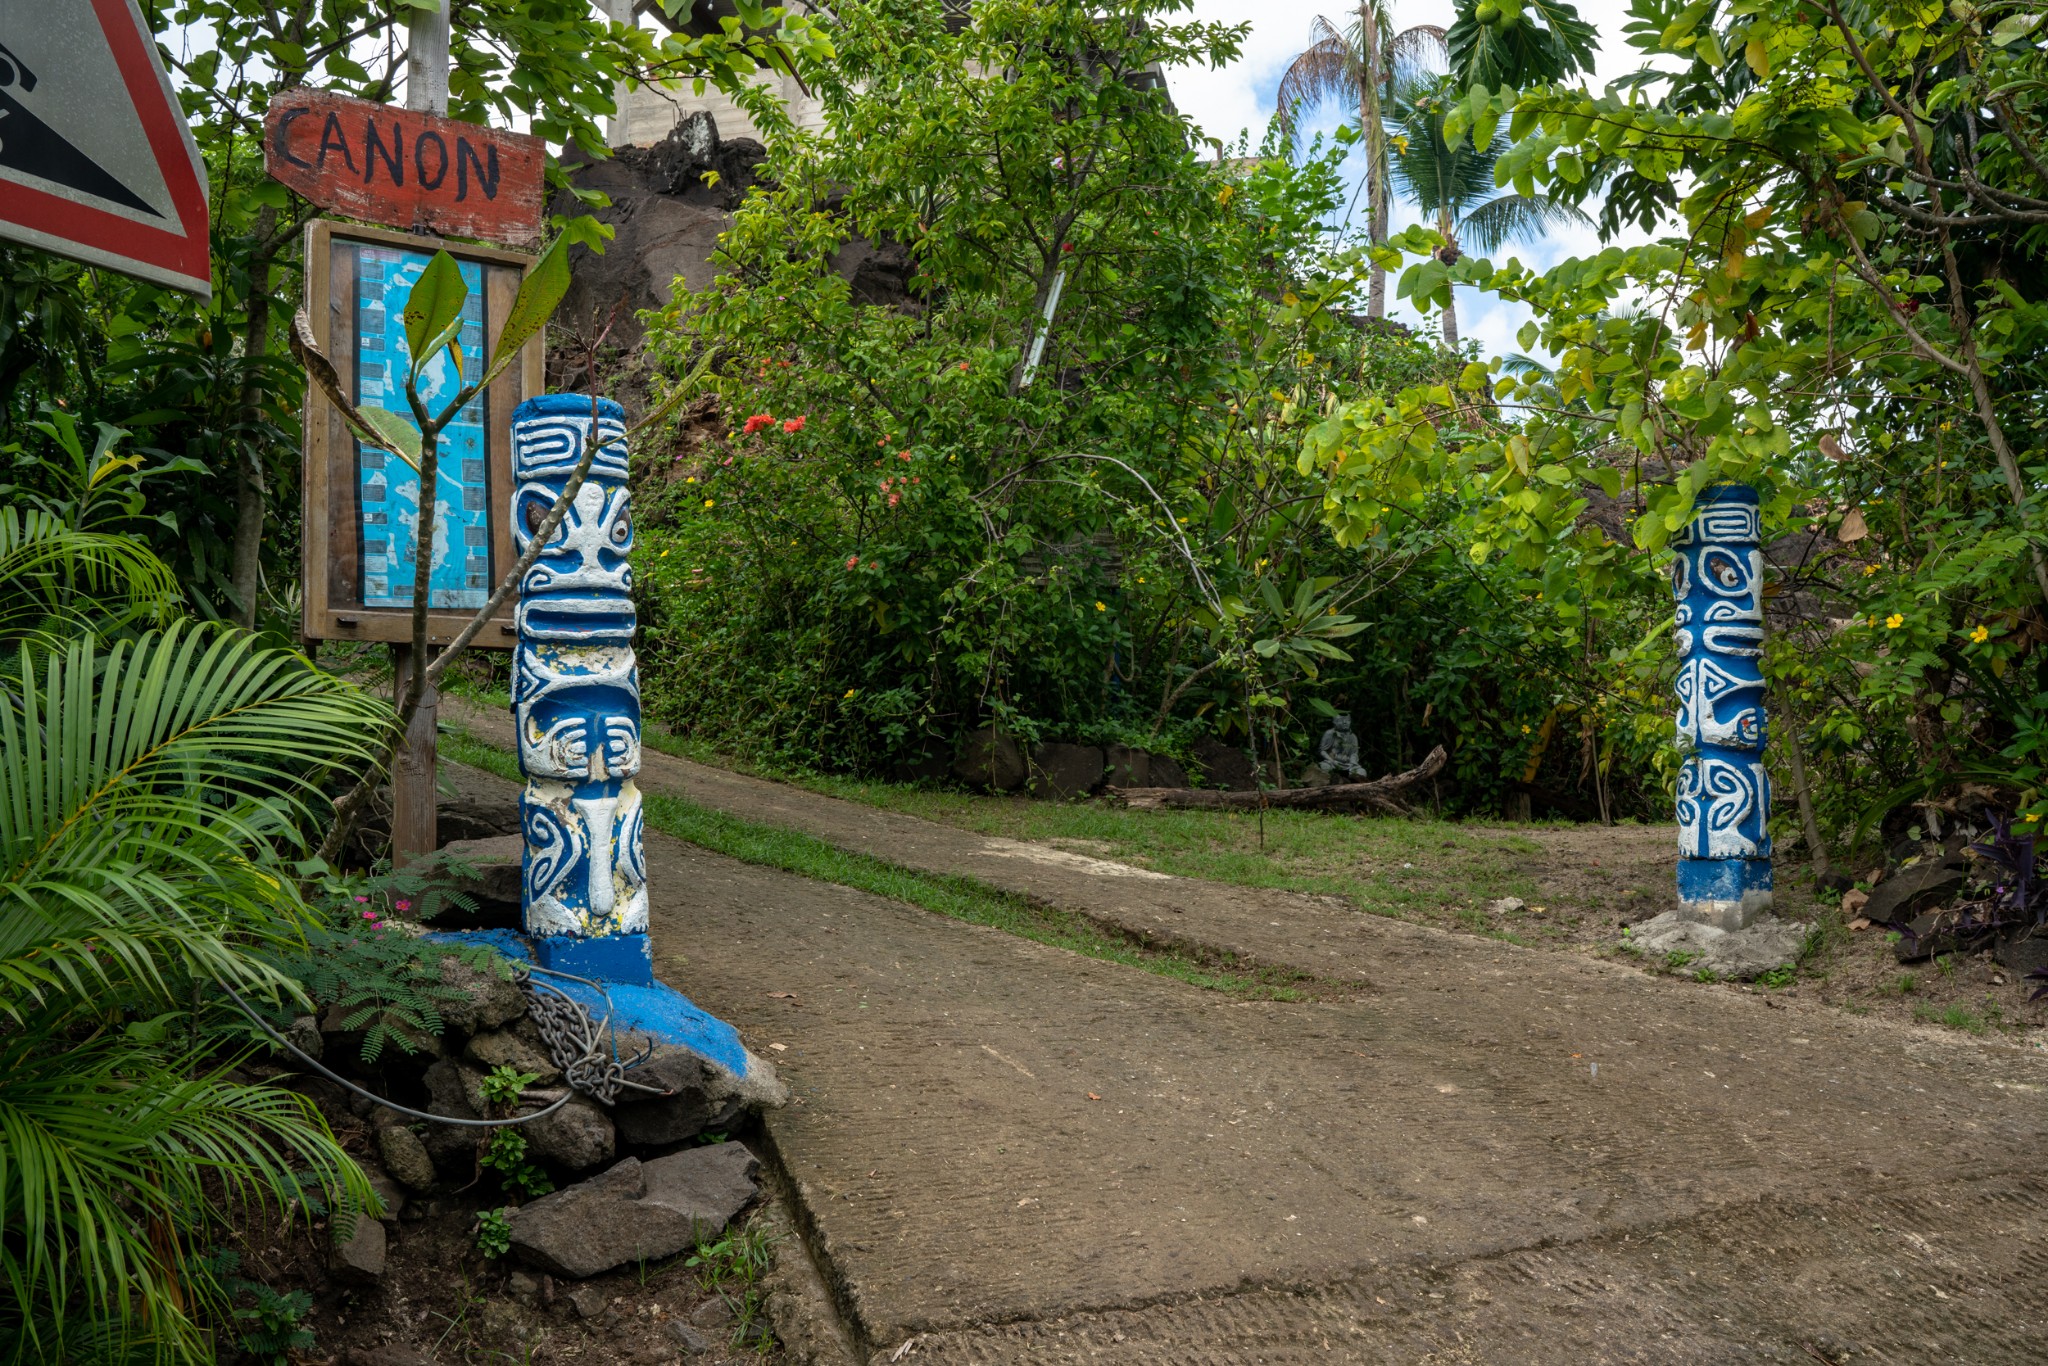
x=426, y=65
x=414, y=801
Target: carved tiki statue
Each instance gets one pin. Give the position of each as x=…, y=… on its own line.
x=1724, y=793
x=576, y=695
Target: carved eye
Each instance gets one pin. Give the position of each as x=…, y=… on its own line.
x=1723, y=572
x=622, y=531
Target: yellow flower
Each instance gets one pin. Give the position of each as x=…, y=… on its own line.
x=709, y=501
x=1894, y=622
x=851, y=691
x=691, y=480
x=1525, y=730
x=1141, y=578
x=1869, y=569
x=1980, y=635
x=664, y=554
x=2031, y=818
x=1100, y=608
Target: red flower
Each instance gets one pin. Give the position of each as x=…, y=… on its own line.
x=903, y=455
x=963, y=365
x=758, y=421
x=853, y=561
x=1066, y=247
x=795, y=424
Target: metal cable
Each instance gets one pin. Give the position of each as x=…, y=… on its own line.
x=576, y=1044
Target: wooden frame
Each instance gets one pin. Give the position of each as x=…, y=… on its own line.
x=331, y=555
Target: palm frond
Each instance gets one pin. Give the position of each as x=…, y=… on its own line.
x=109, y=1153
x=1517, y=218
x=1327, y=70
x=147, y=795
x=1416, y=53
x=53, y=577
x=1437, y=174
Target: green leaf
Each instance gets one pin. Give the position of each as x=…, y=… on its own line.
x=540, y=294
x=398, y=433
x=433, y=311
x=2016, y=27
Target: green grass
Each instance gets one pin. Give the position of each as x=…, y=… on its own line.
x=1422, y=870
x=1955, y=1017
x=1449, y=867
x=956, y=897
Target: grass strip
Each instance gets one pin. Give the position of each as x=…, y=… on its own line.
x=958, y=898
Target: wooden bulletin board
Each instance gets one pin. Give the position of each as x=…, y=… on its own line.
x=359, y=531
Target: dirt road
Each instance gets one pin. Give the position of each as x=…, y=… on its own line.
x=1001, y=1152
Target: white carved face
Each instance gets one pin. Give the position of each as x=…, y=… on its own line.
x=585, y=871
x=577, y=712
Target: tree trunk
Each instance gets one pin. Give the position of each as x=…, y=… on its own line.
x=252, y=493
x=1795, y=754
x=1378, y=795
x=1372, y=122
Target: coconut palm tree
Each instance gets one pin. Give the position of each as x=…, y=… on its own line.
x=1451, y=180
x=1356, y=68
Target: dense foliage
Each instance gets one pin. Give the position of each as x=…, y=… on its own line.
x=917, y=515
x=206, y=392
x=1852, y=318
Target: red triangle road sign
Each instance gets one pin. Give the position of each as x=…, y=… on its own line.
x=96, y=162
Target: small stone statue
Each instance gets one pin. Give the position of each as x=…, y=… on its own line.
x=1339, y=749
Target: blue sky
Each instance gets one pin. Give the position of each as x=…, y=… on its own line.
x=1240, y=98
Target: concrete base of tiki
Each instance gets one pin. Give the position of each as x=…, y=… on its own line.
x=1729, y=894
x=619, y=982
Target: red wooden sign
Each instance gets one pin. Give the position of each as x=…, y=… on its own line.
x=406, y=169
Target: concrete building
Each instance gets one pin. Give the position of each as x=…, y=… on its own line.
x=647, y=114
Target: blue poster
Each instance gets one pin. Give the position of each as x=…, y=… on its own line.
x=460, y=575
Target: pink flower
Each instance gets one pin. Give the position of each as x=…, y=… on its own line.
x=758, y=421
x=362, y=900
x=915, y=480
x=903, y=455
x=728, y=461
x=405, y=905
x=795, y=424
x=894, y=499
x=368, y=915
x=852, y=561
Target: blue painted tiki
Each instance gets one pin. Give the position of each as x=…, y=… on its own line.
x=576, y=696
x=1724, y=794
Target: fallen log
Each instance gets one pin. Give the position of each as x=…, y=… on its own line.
x=1377, y=795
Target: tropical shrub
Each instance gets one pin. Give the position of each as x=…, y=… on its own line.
x=904, y=517
x=152, y=795
x=1852, y=318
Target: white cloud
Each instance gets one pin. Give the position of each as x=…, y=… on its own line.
x=1238, y=99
